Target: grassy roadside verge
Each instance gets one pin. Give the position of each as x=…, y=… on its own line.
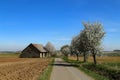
x=78, y=64
x=46, y=74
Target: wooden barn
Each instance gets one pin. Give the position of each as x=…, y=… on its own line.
x=34, y=51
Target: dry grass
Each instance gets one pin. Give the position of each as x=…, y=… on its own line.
x=22, y=69
x=100, y=59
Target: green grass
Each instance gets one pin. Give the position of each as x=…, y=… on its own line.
x=92, y=74
x=108, y=72
x=115, y=65
x=47, y=73
x=78, y=64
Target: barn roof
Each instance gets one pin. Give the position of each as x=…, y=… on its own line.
x=39, y=47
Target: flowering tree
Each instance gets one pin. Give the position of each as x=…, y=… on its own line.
x=75, y=46
x=88, y=41
x=93, y=34
x=50, y=48
x=65, y=50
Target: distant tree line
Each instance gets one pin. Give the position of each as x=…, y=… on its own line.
x=116, y=50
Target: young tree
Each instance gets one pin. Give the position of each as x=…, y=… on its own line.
x=79, y=45
x=75, y=46
x=83, y=45
x=50, y=48
x=94, y=34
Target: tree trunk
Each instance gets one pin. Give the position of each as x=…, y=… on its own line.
x=84, y=57
x=94, y=58
x=77, y=57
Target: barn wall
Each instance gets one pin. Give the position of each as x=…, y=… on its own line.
x=30, y=52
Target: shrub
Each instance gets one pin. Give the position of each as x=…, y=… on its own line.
x=110, y=73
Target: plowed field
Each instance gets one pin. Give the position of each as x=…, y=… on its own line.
x=22, y=69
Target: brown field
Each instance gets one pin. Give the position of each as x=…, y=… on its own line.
x=22, y=69
x=99, y=59
x=9, y=55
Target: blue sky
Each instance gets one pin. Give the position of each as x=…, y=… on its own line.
x=38, y=21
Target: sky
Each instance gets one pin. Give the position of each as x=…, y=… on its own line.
x=38, y=21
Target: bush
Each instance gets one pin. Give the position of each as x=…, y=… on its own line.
x=54, y=55
x=112, y=74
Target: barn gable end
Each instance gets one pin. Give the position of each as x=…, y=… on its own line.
x=33, y=51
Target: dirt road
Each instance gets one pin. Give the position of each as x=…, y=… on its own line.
x=64, y=71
